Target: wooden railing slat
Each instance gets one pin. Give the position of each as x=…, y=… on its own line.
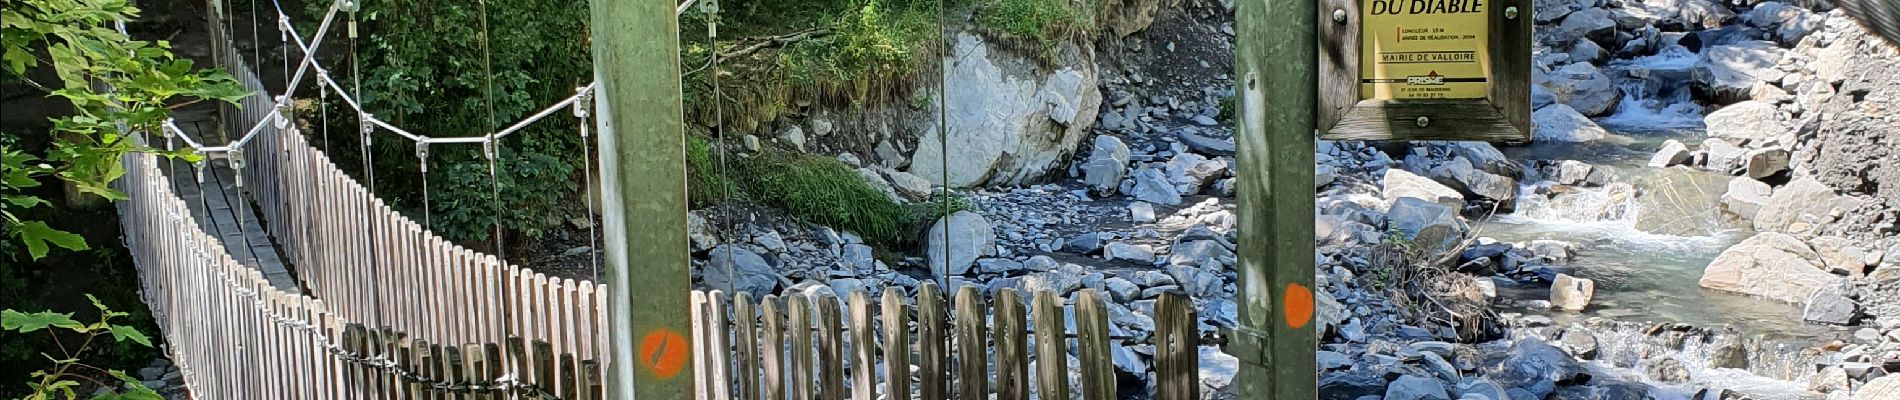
x=830, y=349
x=896, y=345
x=797, y=309
x=772, y=349
x=1012, y=354
x=972, y=363
x=1052, y=349
x=1098, y=370
x=864, y=347
x=932, y=342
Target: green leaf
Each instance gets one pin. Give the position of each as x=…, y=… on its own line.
x=22, y=322
x=36, y=235
x=134, y=389
x=122, y=333
x=24, y=201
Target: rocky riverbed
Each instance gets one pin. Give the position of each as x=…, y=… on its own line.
x=1707, y=211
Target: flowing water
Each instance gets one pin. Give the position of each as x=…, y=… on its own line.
x=1646, y=245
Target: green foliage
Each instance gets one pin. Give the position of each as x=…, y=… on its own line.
x=533, y=186
x=1042, y=21
x=86, y=52
x=422, y=68
x=707, y=182
x=825, y=191
x=63, y=377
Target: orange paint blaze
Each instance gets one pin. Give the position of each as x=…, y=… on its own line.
x=663, y=353
x=1298, y=303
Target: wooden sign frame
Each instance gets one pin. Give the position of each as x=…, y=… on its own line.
x=1503, y=116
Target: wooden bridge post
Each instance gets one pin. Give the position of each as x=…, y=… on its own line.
x=1278, y=53
x=643, y=173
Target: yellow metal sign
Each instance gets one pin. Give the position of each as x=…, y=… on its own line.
x=1424, y=49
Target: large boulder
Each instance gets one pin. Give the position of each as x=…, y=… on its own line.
x=1746, y=122
x=1745, y=196
x=1428, y=225
x=1412, y=387
x=1728, y=73
x=1400, y=184
x=1531, y=361
x=748, y=271
x=1571, y=293
x=1771, y=265
x=1593, y=24
x=1129, y=16
x=1459, y=175
x=970, y=237
x=1107, y=164
x=1010, y=120
x=1584, y=88
x=1152, y=185
x=1560, y=123
x=1804, y=201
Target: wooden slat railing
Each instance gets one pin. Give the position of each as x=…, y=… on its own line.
x=992, y=347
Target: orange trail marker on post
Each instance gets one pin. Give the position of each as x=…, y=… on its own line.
x=663, y=353
x=1298, y=301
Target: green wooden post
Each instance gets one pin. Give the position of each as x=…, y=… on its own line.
x=1274, y=147
x=643, y=172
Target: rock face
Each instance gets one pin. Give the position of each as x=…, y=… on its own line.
x=1800, y=202
x=1727, y=73
x=1571, y=293
x=1560, y=123
x=1770, y=264
x=1009, y=121
x=970, y=238
x=750, y=273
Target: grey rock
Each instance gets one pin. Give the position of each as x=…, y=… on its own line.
x=1746, y=196
x=1764, y=163
x=1722, y=156
x=912, y=187
x=1152, y=185
x=1727, y=73
x=1571, y=293
x=1745, y=122
x=1803, y=201
x=1401, y=184
x=1560, y=123
x=1209, y=145
x=1584, y=88
x=970, y=238
x=1830, y=305
x=1409, y=387
x=1107, y=164
x=1139, y=253
x=749, y=272
x=1770, y=264
x=700, y=234
x=1428, y=225
x=1672, y=153
x=1141, y=212
x=1122, y=290
x=1666, y=369
x=1579, y=342
x=1084, y=244
x=1011, y=120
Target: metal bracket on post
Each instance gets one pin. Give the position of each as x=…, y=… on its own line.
x=422, y=155
x=237, y=167
x=350, y=6
x=281, y=115
x=367, y=127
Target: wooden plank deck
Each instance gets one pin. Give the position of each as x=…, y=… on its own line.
x=219, y=205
